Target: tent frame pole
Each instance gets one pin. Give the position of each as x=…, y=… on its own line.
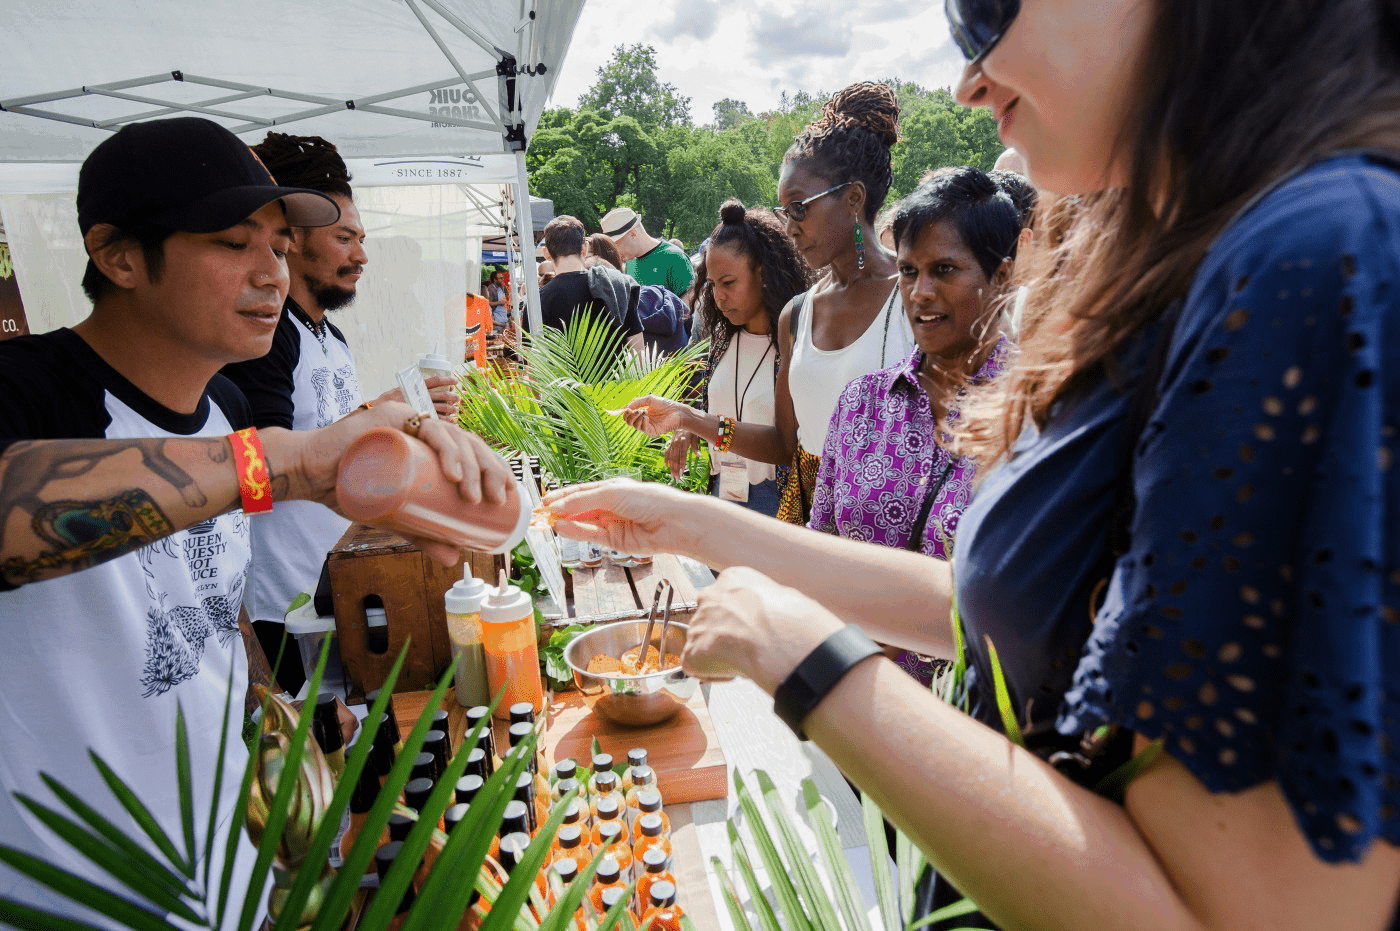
x=525, y=232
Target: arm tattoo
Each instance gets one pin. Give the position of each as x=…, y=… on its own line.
x=80, y=534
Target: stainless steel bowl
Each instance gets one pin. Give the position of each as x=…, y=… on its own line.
x=634, y=701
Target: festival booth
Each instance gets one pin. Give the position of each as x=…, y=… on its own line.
x=431, y=102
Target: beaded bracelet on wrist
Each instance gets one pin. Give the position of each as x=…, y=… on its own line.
x=726, y=434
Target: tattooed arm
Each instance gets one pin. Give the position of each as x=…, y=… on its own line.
x=66, y=505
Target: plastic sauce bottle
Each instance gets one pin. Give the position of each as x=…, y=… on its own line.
x=643, y=778
x=466, y=788
x=652, y=838
x=325, y=727
x=604, y=785
x=636, y=757
x=537, y=812
x=463, y=603
x=513, y=847
x=649, y=803
x=435, y=742
x=519, y=733
x=513, y=821
x=568, y=842
x=611, y=896
x=655, y=868
x=576, y=814
x=607, y=811
x=361, y=801
x=389, y=479
x=512, y=648
x=602, y=763
x=486, y=739
x=662, y=911
x=609, y=876
x=611, y=836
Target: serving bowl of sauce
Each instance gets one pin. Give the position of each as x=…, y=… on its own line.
x=606, y=667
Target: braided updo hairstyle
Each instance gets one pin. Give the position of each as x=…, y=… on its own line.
x=758, y=235
x=305, y=161
x=851, y=141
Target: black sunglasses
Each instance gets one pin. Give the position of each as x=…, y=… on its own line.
x=978, y=25
x=797, y=210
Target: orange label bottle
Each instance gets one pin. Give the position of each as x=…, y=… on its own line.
x=610, y=835
x=512, y=650
x=652, y=838
x=663, y=913
x=649, y=803
x=654, y=869
x=609, y=876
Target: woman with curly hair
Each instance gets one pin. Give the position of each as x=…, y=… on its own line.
x=834, y=179
x=750, y=272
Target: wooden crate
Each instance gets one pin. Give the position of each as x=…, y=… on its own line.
x=368, y=562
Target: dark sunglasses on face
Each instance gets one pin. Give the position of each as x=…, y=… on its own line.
x=797, y=210
x=978, y=25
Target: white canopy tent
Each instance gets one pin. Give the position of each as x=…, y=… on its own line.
x=425, y=92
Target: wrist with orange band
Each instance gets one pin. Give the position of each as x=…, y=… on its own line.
x=254, y=483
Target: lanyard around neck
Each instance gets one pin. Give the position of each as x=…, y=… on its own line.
x=739, y=401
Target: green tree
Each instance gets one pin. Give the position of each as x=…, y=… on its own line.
x=730, y=113
x=627, y=86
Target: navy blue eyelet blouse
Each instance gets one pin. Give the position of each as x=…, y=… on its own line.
x=1255, y=620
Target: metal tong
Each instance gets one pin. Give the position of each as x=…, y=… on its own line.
x=670, y=590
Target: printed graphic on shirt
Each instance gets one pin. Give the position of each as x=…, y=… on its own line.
x=176, y=633
x=337, y=393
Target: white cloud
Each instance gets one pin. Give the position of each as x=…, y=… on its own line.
x=695, y=18
x=806, y=33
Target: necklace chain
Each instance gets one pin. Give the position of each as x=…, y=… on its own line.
x=318, y=330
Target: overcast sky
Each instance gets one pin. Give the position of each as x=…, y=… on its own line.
x=712, y=49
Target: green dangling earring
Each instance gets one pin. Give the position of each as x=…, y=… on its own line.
x=860, y=247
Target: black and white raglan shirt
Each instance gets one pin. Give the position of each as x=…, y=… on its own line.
x=306, y=381
x=97, y=659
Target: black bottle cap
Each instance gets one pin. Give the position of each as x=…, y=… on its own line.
x=475, y=715
x=325, y=725
x=663, y=894
x=453, y=815
x=574, y=813
x=515, y=820
x=610, y=831
x=637, y=756
x=399, y=826
x=651, y=825
x=487, y=745
x=602, y=761
x=416, y=793
x=522, y=711
x=467, y=787
x=606, y=781
x=372, y=696
x=649, y=800
x=381, y=752
x=611, y=897
x=519, y=731
x=513, y=847
x=366, y=790
x=643, y=776
x=424, y=767
x=440, y=718
x=436, y=743
x=525, y=794
x=565, y=769
x=608, y=871
x=476, y=763
x=608, y=809
x=383, y=861
x=569, y=836
x=567, y=869
x=654, y=860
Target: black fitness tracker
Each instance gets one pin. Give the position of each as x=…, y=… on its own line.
x=817, y=675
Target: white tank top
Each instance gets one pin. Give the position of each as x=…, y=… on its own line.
x=817, y=377
x=741, y=387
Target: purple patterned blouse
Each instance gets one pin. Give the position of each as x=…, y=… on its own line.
x=879, y=461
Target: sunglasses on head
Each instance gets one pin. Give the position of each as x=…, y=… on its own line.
x=978, y=25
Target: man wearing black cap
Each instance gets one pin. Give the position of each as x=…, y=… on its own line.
x=125, y=478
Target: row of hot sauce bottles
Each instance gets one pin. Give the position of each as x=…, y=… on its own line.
x=620, y=813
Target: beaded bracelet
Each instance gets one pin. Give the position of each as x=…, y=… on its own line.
x=253, y=483
x=726, y=434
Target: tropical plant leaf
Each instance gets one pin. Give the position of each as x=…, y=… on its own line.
x=789, y=902
x=1115, y=784
x=217, y=793
x=808, y=884
x=23, y=916
x=843, y=884
x=732, y=903
x=231, y=843
x=885, y=893
x=956, y=910
x=112, y=861
x=767, y=917
x=142, y=816
x=1008, y=713
x=81, y=891
x=183, y=781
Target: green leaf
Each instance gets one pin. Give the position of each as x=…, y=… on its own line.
x=799, y=861
x=231, y=843
x=956, y=910
x=183, y=780
x=843, y=884
x=218, y=786
x=1008, y=714
x=767, y=918
x=737, y=917
x=788, y=900
x=83, y=892
x=112, y=861
x=880, y=863
x=1115, y=784
x=339, y=896
x=142, y=816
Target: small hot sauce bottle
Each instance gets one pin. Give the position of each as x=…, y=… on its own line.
x=649, y=803
x=568, y=842
x=467, y=787
x=513, y=847
x=514, y=821
x=609, y=876
x=604, y=785
x=565, y=872
x=611, y=837
x=611, y=896
x=607, y=810
x=652, y=838
x=636, y=758
x=663, y=913
x=525, y=792
x=384, y=859
x=577, y=815
x=655, y=868
x=602, y=763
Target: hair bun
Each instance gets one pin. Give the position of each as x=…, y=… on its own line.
x=732, y=211
x=869, y=105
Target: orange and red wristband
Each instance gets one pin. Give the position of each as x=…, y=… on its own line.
x=254, y=485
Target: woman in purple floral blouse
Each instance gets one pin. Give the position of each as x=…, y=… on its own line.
x=886, y=475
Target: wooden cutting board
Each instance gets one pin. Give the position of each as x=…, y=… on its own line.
x=684, y=752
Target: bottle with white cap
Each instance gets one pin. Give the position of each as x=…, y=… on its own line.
x=463, y=602
x=512, y=648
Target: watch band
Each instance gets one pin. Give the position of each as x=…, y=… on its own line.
x=818, y=673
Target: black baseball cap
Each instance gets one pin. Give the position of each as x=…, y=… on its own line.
x=187, y=174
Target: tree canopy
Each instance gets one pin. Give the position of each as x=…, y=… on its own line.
x=631, y=141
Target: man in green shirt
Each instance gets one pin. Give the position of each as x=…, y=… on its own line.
x=649, y=260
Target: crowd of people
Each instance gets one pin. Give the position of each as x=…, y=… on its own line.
x=1115, y=419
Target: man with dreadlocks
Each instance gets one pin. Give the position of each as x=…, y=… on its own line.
x=308, y=378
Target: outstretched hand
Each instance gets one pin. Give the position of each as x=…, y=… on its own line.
x=654, y=415
x=632, y=517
